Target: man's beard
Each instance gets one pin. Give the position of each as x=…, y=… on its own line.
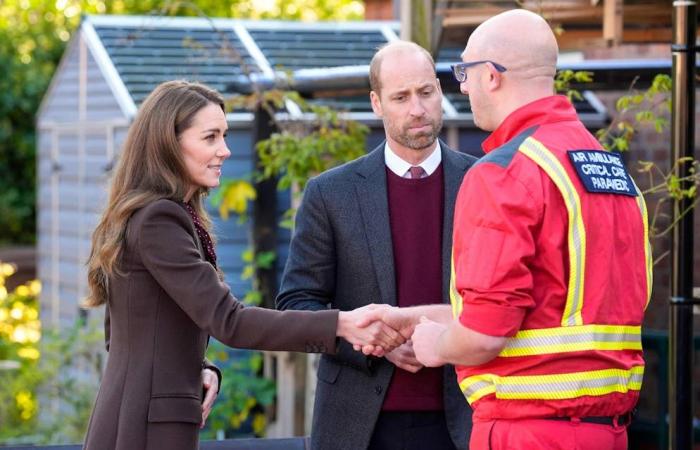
x=421, y=140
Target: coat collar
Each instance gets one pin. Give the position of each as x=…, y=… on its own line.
x=556, y=108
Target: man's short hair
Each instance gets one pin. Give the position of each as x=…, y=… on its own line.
x=375, y=65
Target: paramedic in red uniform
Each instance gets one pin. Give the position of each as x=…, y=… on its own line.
x=551, y=263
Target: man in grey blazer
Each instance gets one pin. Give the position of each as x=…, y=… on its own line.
x=379, y=230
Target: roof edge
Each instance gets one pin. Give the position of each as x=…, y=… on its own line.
x=108, y=70
x=208, y=22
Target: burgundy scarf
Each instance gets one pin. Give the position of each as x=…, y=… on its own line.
x=204, y=237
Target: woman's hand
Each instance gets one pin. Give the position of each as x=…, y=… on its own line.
x=375, y=338
x=211, y=388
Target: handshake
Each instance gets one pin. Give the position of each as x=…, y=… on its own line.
x=380, y=329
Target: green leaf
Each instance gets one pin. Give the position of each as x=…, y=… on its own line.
x=583, y=76
x=660, y=124
x=252, y=298
x=645, y=166
x=265, y=260
x=247, y=255
x=622, y=103
x=620, y=144
x=644, y=116
x=248, y=272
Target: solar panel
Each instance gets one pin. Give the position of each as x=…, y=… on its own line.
x=308, y=48
x=146, y=56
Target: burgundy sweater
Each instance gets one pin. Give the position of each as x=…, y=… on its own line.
x=416, y=217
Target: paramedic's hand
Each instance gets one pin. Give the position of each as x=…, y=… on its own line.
x=374, y=336
x=211, y=387
x=404, y=358
x=425, y=342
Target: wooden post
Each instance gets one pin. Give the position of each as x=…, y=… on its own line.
x=612, y=22
x=280, y=366
x=436, y=31
x=416, y=22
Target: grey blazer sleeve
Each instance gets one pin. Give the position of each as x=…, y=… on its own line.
x=308, y=282
x=169, y=252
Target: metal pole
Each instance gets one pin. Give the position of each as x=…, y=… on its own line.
x=681, y=311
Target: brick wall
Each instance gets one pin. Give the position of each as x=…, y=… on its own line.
x=651, y=146
x=379, y=10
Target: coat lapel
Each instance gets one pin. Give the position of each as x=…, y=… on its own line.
x=454, y=168
x=374, y=208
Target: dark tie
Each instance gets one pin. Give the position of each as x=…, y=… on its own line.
x=416, y=172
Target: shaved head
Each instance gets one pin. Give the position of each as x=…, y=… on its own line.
x=523, y=43
x=520, y=40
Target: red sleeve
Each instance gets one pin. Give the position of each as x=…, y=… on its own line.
x=495, y=219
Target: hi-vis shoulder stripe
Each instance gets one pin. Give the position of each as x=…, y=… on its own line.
x=573, y=339
x=553, y=387
x=647, y=245
x=455, y=298
x=537, y=152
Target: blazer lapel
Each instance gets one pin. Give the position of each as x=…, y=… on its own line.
x=454, y=168
x=374, y=208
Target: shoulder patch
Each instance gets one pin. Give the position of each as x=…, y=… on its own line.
x=602, y=172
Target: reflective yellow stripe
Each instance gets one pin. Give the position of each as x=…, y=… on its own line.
x=553, y=387
x=537, y=152
x=573, y=339
x=647, y=244
x=455, y=298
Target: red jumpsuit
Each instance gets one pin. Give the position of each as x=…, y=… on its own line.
x=551, y=250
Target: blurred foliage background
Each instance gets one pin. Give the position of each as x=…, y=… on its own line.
x=33, y=36
x=48, y=379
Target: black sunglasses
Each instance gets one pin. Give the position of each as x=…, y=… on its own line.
x=460, y=70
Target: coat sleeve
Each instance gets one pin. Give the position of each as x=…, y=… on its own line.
x=493, y=243
x=169, y=252
x=309, y=278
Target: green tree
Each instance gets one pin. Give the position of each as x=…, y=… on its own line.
x=33, y=36
x=38, y=371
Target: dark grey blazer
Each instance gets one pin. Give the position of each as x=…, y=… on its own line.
x=341, y=256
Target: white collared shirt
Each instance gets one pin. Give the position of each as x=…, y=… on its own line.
x=400, y=167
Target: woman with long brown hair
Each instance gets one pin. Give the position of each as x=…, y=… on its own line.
x=153, y=264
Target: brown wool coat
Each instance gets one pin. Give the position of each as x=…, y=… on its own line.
x=161, y=311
